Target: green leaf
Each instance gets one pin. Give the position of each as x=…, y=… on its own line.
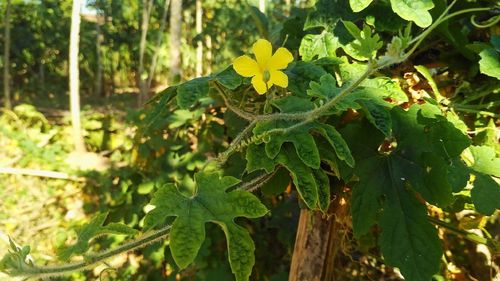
x=458, y=174
x=229, y=78
x=302, y=176
x=257, y=159
x=389, y=88
x=408, y=240
x=485, y=160
x=192, y=91
x=326, y=88
x=390, y=179
x=303, y=142
x=414, y=10
x=486, y=194
x=323, y=183
x=365, y=201
x=379, y=116
x=489, y=63
x=422, y=149
x=495, y=41
x=154, y=117
x=181, y=117
x=318, y=46
x=359, y=5
x=277, y=184
x=293, y=104
x=424, y=130
x=300, y=74
x=146, y=187
x=327, y=14
x=300, y=137
x=91, y=230
x=16, y=262
x=365, y=46
x=377, y=15
x=353, y=100
x=210, y=203
x=337, y=142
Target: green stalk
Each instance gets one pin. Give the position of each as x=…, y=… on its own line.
x=475, y=111
x=466, y=235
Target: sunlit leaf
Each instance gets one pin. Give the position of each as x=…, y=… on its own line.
x=210, y=203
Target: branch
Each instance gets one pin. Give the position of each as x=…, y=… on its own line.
x=466, y=235
x=40, y=173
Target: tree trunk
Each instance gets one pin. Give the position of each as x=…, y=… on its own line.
x=262, y=6
x=288, y=7
x=318, y=242
x=199, y=44
x=159, y=40
x=74, y=77
x=99, y=39
x=175, y=40
x=208, y=43
x=146, y=14
x=6, y=57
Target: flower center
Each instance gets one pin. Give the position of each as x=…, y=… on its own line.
x=266, y=76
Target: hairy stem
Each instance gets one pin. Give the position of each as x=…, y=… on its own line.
x=257, y=182
x=92, y=260
x=243, y=114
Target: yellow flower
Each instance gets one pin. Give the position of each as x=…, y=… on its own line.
x=266, y=68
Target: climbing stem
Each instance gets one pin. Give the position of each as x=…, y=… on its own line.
x=32, y=271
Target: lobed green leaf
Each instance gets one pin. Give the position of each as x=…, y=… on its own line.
x=210, y=203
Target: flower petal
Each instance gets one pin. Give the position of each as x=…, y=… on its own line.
x=262, y=50
x=245, y=66
x=259, y=84
x=280, y=59
x=278, y=78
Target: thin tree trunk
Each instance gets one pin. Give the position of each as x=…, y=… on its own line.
x=6, y=57
x=175, y=40
x=146, y=14
x=318, y=243
x=74, y=77
x=262, y=6
x=41, y=73
x=199, y=46
x=99, y=39
x=208, y=43
x=159, y=41
x=112, y=70
x=288, y=7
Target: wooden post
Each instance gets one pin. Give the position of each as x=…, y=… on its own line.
x=318, y=241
